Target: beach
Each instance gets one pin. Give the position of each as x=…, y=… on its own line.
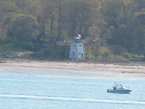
x=120, y=69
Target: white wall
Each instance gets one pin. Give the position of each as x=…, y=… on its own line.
x=77, y=49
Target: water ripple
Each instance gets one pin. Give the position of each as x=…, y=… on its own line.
x=69, y=99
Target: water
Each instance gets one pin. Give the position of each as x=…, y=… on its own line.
x=21, y=90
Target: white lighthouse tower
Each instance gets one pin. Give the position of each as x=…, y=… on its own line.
x=76, y=48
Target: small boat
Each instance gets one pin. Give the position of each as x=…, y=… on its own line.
x=119, y=88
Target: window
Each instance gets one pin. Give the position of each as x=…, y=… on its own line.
x=73, y=53
x=80, y=45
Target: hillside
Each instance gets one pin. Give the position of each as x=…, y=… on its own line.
x=110, y=28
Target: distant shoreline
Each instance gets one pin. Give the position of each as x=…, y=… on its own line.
x=118, y=68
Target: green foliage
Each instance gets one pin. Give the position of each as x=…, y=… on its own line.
x=52, y=52
x=23, y=28
x=105, y=54
x=127, y=55
x=97, y=54
x=36, y=25
x=108, y=56
x=12, y=48
x=89, y=53
x=138, y=56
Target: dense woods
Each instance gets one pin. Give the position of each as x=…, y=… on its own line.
x=109, y=27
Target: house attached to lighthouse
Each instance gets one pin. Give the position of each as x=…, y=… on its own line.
x=76, y=48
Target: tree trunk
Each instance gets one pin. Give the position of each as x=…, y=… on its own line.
x=59, y=20
x=51, y=27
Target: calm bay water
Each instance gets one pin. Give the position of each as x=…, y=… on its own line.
x=20, y=89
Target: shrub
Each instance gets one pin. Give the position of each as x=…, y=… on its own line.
x=127, y=55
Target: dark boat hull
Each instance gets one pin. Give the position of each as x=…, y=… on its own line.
x=118, y=91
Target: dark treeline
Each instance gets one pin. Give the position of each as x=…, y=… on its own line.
x=108, y=26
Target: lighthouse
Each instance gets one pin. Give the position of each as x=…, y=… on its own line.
x=76, y=48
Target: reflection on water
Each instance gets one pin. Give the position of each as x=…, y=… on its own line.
x=20, y=89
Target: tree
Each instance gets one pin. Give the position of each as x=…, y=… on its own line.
x=112, y=11
x=48, y=14
x=138, y=30
x=7, y=10
x=23, y=28
x=80, y=15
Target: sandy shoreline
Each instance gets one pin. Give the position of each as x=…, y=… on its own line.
x=133, y=68
x=75, y=66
